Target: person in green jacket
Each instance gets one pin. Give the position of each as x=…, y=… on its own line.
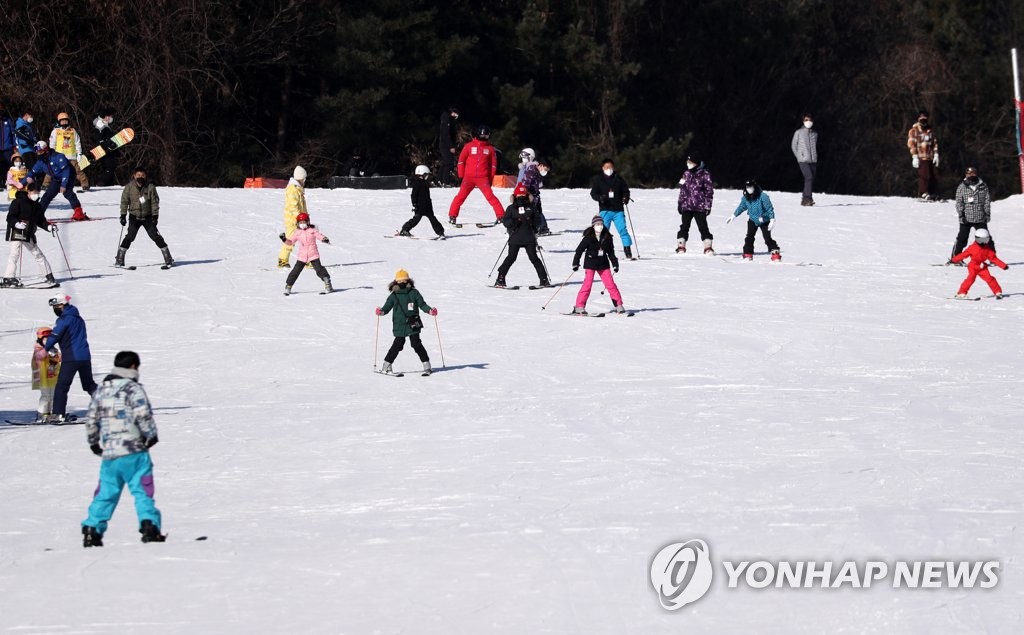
x=406, y=302
x=140, y=208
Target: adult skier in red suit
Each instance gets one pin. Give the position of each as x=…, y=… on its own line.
x=477, y=165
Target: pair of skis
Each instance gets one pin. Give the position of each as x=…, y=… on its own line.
x=426, y=373
x=479, y=225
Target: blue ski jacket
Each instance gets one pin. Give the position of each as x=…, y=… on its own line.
x=25, y=136
x=6, y=136
x=760, y=209
x=69, y=332
x=56, y=165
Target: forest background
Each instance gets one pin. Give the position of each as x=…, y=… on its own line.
x=218, y=91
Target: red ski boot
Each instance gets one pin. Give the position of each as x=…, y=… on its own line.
x=79, y=214
x=776, y=256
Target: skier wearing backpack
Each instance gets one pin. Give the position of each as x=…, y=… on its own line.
x=406, y=302
x=696, y=193
x=520, y=219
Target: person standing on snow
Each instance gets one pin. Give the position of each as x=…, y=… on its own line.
x=924, y=155
x=533, y=179
x=805, y=149
x=478, y=163
x=16, y=176
x=104, y=131
x=447, y=145
x=62, y=178
x=696, y=194
x=65, y=140
x=45, y=370
x=70, y=333
x=761, y=215
x=422, y=206
x=294, y=204
x=140, y=207
x=599, y=248
x=406, y=302
x=120, y=429
x=23, y=219
x=611, y=193
x=8, y=138
x=520, y=219
x=305, y=236
x=26, y=138
x=982, y=255
x=973, y=209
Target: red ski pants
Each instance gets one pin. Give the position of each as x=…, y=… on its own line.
x=484, y=185
x=973, y=273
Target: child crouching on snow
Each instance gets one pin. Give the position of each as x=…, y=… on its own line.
x=406, y=302
x=305, y=237
x=761, y=215
x=982, y=255
x=600, y=260
x=45, y=368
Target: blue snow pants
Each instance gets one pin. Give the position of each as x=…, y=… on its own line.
x=135, y=471
x=619, y=218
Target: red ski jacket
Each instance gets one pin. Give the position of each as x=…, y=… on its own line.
x=478, y=160
x=981, y=257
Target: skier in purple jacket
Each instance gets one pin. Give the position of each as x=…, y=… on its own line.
x=696, y=193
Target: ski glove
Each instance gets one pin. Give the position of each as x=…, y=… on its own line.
x=915, y=162
x=771, y=224
x=151, y=442
x=433, y=311
x=730, y=219
x=615, y=268
x=575, y=267
x=281, y=236
x=124, y=221
x=327, y=241
x=53, y=228
x=379, y=311
x=935, y=160
x=96, y=449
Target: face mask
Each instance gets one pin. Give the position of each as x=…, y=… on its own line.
x=543, y=172
x=28, y=119
x=750, y=190
x=57, y=310
x=690, y=165
x=65, y=124
x=141, y=180
x=17, y=164
x=34, y=196
x=598, y=229
x=608, y=171
x=808, y=124
x=303, y=225
x=972, y=180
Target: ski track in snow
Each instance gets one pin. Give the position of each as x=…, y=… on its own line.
x=850, y=410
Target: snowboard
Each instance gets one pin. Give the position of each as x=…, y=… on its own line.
x=122, y=138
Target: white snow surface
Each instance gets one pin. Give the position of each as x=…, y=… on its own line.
x=848, y=409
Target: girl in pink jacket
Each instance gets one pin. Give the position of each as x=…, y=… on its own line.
x=304, y=240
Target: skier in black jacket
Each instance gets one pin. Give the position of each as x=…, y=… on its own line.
x=421, y=204
x=611, y=193
x=23, y=218
x=521, y=221
x=599, y=250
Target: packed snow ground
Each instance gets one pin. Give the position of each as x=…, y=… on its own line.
x=846, y=409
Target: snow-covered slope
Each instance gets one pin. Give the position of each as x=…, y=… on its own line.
x=845, y=409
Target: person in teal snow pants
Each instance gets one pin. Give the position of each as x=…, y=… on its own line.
x=612, y=193
x=120, y=429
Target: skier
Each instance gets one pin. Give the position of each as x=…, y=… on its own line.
x=70, y=333
x=294, y=204
x=696, y=193
x=477, y=164
x=447, y=145
x=612, y=193
x=599, y=248
x=23, y=219
x=140, y=207
x=924, y=155
x=26, y=138
x=527, y=158
x=120, y=429
x=65, y=140
x=8, y=140
x=61, y=175
x=305, y=236
x=805, y=149
x=761, y=215
x=973, y=209
x=982, y=255
x=406, y=303
x=533, y=179
x=15, y=176
x=520, y=219
x=45, y=369
x=422, y=206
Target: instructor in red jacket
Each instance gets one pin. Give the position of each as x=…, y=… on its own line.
x=477, y=165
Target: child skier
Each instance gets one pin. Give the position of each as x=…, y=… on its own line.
x=696, y=194
x=294, y=204
x=24, y=218
x=520, y=220
x=305, y=236
x=600, y=259
x=422, y=205
x=982, y=256
x=406, y=302
x=761, y=215
x=45, y=368
x=121, y=430
x=65, y=140
x=15, y=174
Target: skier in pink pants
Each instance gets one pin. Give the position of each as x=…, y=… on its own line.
x=600, y=259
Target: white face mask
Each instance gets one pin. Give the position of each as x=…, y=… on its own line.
x=28, y=119
x=303, y=225
x=17, y=164
x=34, y=196
x=690, y=165
x=598, y=229
x=808, y=124
x=750, y=190
x=608, y=171
x=543, y=172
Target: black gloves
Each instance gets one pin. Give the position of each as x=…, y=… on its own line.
x=282, y=237
x=575, y=267
x=151, y=442
x=96, y=449
x=615, y=268
x=124, y=221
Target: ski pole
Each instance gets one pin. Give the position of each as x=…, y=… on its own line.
x=61, y=243
x=439, y=347
x=631, y=230
x=566, y=281
x=543, y=262
x=499, y=257
x=376, y=336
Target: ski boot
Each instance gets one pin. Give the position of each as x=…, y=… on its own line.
x=327, y=286
x=544, y=282
x=405, y=233
x=166, y=252
x=961, y=295
x=426, y=369
x=628, y=252
x=441, y=236
x=150, y=532
x=11, y=282
x=91, y=537
x=386, y=369
x=453, y=220
x=579, y=311
x=119, y=258
x=999, y=296
x=287, y=289
x=282, y=264
x=681, y=247
x=500, y=282
x=50, y=280
x=776, y=256
x=618, y=308
x=708, y=251
x=747, y=257
x=79, y=215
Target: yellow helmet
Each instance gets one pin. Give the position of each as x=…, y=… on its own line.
x=401, y=275
x=63, y=115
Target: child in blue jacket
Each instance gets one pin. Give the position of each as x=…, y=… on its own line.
x=761, y=215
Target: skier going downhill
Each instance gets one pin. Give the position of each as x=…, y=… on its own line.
x=521, y=221
x=612, y=193
x=761, y=215
x=478, y=163
x=982, y=256
x=598, y=252
x=404, y=304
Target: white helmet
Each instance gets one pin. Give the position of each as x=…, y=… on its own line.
x=982, y=236
x=421, y=170
x=41, y=146
x=527, y=154
x=60, y=299
x=299, y=173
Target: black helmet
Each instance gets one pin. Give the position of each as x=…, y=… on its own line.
x=483, y=132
